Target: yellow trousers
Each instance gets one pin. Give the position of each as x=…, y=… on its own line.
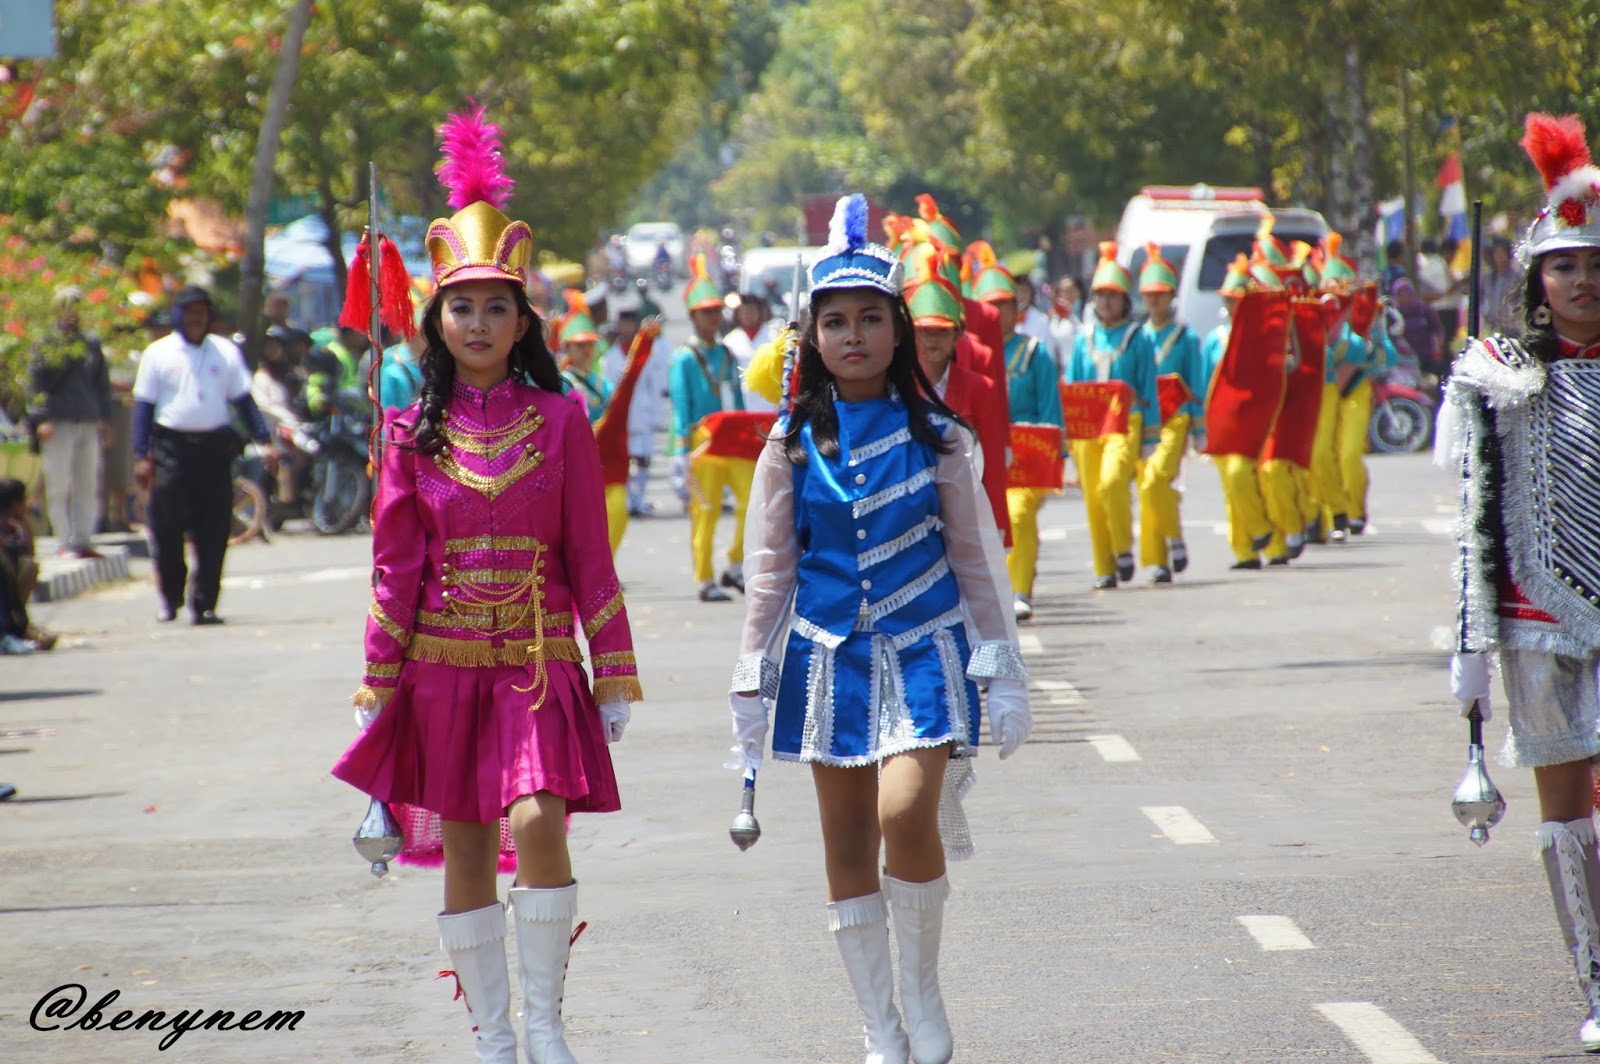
x=1247, y=511
x=709, y=476
x=616, y=514
x=1106, y=467
x=1327, y=481
x=1286, y=490
x=1023, y=560
x=1160, y=522
x=1355, y=415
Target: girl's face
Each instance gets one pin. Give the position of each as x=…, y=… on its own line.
x=580, y=353
x=480, y=324
x=936, y=346
x=856, y=339
x=1159, y=304
x=1572, y=288
x=1008, y=315
x=1110, y=306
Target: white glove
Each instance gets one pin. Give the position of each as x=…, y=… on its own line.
x=1010, y=720
x=1469, y=682
x=365, y=717
x=614, y=717
x=750, y=727
x=680, y=475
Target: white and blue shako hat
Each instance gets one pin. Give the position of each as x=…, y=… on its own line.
x=848, y=260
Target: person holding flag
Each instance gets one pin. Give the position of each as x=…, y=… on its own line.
x=1181, y=387
x=1114, y=349
x=704, y=380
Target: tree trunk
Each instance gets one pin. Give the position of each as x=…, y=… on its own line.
x=253, y=269
x=1342, y=215
x=328, y=208
x=1361, y=180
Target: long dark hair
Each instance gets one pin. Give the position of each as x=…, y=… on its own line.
x=531, y=363
x=813, y=400
x=1540, y=340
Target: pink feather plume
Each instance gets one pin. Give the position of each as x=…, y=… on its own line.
x=473, y=168
x=1556, y=145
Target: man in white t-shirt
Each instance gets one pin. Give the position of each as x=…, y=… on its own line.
x=188, y=391
x=752, y=327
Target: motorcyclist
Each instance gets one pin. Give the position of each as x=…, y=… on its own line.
x=329, y=384
x=275, y=386
x=648, y=308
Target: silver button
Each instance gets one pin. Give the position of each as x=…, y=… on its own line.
x=861, y=533
x=861, y=478
x=866, y=585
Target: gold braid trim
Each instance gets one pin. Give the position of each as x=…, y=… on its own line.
x=478, y=653
x=490, y=487
x=481, y=620
x=462, y=546
x=372, y=698
x=606, y=661
x=457, y=577
x=599, y=620
x=618, y=689
x=377, y=670
x=397, y=633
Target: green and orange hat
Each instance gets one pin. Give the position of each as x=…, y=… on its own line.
x=1158, y=275
x=1305, y=264
x=577, y=324
x=1336, y=269
x=701, y=293
x=940, y=226
x=1109, y=274
x=934, y=302
x=1269, y=247
x=1237, y=281
x=991, y=282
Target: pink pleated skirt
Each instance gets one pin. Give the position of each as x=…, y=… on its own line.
x=462, y=744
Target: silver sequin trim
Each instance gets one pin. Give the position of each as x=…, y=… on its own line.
x=907, y=594
x=806, y=630
x=997, y=660
x=915, y=482
x=755, y=672
x=884, y=551
x=816, y=735
x=916, y=635
x=955, y=685
x=879, y=447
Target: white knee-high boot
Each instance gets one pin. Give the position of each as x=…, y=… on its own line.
x=861, y=929
x=476, y=943
x=544, y=939
x=918, y=926
x=1573, y=868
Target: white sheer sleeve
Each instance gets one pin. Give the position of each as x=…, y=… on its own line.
x=972, y=543
x=771, y=558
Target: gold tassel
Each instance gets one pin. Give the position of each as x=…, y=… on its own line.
x=371, y=698
x=480, y=653
x=618, y=689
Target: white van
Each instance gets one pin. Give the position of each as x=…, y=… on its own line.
x=1200, y=230
x=770, y=272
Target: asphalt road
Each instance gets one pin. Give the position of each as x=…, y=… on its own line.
x=1237, y=746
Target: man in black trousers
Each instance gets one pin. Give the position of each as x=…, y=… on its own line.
x=190, y=388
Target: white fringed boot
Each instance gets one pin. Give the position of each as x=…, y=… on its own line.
x=860, y=927
x=918, y=926
x=476, y=943
x=544, y=940
x=1573, y=869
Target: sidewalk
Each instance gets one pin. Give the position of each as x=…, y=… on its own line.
x=63, y=578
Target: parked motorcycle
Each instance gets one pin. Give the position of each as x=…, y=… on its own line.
x=333, y=490
x=1402, y=410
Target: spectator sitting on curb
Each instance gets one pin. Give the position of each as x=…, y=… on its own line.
x=19, y=573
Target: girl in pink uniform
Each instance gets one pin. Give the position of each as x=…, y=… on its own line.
x=489, y=551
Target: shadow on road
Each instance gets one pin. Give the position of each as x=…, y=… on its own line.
x=40, y=696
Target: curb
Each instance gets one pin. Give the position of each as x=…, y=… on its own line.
x=63, y=579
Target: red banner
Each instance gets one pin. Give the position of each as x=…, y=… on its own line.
x=1295, y=432
x=1035, y=457
x=1365, y=310
x=734, y=433
x=1173, y=393
x=1095, y=410
x=1247, y=389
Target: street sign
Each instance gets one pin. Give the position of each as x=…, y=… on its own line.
x=27, y=29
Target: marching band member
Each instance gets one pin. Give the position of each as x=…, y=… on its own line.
x=1285, y=467
x=475, y=703
x=704, y=380
x=1181, y=387
x=1345, y=351
x=576, y=337
x=1114, y=349
x=1524, y=406
x=614, y=432
x=872, y=557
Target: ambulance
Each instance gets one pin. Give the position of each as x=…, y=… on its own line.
x=1200, y=229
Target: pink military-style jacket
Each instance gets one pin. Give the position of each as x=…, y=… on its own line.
x=491, y=552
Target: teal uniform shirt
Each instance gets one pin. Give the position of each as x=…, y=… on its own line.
x=696, y=382
x=594, y=388
x=1177, y=349
x=1132, y=361
x=1033, y=383
x=401, y=380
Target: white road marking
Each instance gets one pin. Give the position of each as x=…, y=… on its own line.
x=1276, y=933
x=1382, y=1039
x=349, y=572
x=1439, y=526
x=1061, y=692
x=1052, y=535
x=1114, y=748
x=1029, y=643
x=1178, y=824
x=315, y=576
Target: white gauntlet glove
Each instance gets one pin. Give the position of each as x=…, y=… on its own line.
x=614, y=717
x=1469, y=682
x=1010, y=720
x=750, y=727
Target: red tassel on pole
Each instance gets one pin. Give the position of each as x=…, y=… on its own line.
x=394, y=290
x=357, y=312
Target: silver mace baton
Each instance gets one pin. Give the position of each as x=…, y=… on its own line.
x=746, y=831
x=378, y=839
x=1477, y=802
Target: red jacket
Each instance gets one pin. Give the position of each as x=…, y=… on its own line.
x=977, y=402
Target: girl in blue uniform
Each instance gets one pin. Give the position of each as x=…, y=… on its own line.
x=877, y=597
